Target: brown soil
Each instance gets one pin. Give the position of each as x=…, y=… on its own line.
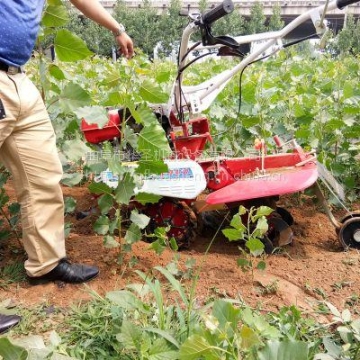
x=312, y=269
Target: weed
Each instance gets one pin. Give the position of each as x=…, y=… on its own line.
x=321, y=292
x=270, y=289
x=253, y=233
x=350, y=261
x=9, y=212
x=353, y=300
x=12, y=273
x=341, y=284
x=322, y=309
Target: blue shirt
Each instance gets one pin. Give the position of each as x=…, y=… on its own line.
x=19, y=25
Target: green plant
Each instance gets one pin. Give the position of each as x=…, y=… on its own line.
x=252, y=233
x=12, y=273
x=321, y=292
x=160, y=240
x=9, y=211
x=270, y=289
x=344, y=344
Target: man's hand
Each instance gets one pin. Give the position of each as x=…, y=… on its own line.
x=125, y=44
x=96, y=12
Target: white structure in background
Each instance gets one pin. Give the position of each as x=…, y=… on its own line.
x=288, y=7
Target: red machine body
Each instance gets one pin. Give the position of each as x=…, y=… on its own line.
x=95, y=135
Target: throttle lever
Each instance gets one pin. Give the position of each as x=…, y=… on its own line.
x=228, y=51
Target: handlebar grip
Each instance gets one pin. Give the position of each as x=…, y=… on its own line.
x=342, y=3
x=226, y=7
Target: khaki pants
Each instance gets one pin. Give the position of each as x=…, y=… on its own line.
x=28, y=150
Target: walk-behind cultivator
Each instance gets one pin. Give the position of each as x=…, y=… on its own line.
x=195, y=183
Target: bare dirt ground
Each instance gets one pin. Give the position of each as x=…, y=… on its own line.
x=312, y=269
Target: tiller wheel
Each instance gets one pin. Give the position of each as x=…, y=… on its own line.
x=280, y=232
x=349, y=232
x=176, y=215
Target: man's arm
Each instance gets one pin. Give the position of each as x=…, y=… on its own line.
x=96, y=12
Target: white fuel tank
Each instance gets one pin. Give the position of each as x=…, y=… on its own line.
x=185, y=179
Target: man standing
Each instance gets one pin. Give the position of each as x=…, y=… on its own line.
x=27, y=143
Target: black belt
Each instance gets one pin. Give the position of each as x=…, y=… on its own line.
x=10, y=69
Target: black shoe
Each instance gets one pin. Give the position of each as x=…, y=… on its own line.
x=67, y=272
x=8, y=321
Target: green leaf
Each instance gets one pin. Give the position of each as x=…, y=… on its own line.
x=197, y=347
x=99, y=188
x=249, y=337
x=261, y=265
x=161, y=350
x=105, y=203
x=75, y=150
x=110, y=242
x=152, y=93
x=255, y=246
x=14, y=208
x=249, y=122
x=144, y=115
x=72, y=97
x=158, y=246
x=348, y=90
x=130, y=136
x=151, y=167
x=56, y=72
x=243, y=263
x=93, y=115
x=153, y=143
x=242, y=210
x=130, y=336
x=125, y=190
x=55, y=14
x=163, y=76
x=133, y=234
x=127, y=300
x=101, y=225
x=71, y=179
x=262, y=226
x=140, y=220
x=173, y=244
x=8, y=351
x=236, y=222
x=303, y=133
x=116, y=167
x=233, y=234
x=176, y=285
x=69, y=47
x=226, y=314
x=164, y=334
x=333, y=310
x=70, y=204
x=284, y=350
x=144, y=198
x=262, y=211
x=298, y=110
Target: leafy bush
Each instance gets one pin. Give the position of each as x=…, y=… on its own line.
x=160, y=319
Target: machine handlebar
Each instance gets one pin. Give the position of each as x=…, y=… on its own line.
x=226, y=7
x=342, y=3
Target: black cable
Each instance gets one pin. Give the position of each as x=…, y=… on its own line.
x=191, y=49
x=252, y=62
x=291, y=43
x=180, y=71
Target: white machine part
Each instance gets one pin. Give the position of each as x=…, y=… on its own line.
x=185, y=179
